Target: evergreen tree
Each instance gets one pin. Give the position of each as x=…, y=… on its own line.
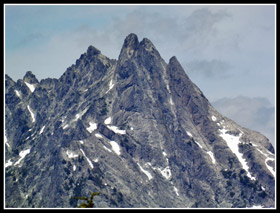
x=89, y=203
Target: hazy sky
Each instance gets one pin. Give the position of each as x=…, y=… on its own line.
x=227, y=50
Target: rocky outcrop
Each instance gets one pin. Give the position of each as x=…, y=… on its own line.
x=137, y=130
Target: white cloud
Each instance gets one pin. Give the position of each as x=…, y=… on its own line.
x=209, y=69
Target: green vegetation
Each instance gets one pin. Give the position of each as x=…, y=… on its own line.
x=89, y=203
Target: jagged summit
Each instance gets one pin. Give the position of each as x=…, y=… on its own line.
x=30, y=78
x=137, y=130
x=131, y=40
x=91, y=51
x=147, y=44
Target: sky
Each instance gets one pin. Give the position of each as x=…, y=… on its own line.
x=228, y=51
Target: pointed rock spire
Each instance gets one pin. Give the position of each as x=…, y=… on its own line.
x=91, y=51
x=147, y=44
x=129, y=47
x=30, y=78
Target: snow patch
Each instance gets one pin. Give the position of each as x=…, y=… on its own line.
x=115, y=147
x=74, y=168
x=171, y=101
x=189, y=134
x=79, y=115
x=30, y=86
x=92, y=127
x=176, y=190
x=65, y=126
x=166, y=172
x=212, y=156
x=107, y=149
x=17, y=93
x=5, y=140
x=111, y=85
x=108, y=121
x=71, y=154
x=10, y=163
x=255, y=207
x=82, y=142
x=148, y=174
x=270, y=168
x=232, y=142
x=98, y=135
x=214, y=118
x=22, y=155
x=117, y=130
x=31, y=113
x=89, y=162
x=198, y=144
x=42, y=130
x=168, y=88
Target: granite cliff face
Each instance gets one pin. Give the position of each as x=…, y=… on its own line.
x=137, y=130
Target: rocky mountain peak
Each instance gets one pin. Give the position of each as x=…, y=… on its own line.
x=30, y=78
x=147, y=44
x=131, y=41
x=136, y=130
x=130, y=47
x=92, y=51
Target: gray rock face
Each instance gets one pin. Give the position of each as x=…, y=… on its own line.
x=137, y=130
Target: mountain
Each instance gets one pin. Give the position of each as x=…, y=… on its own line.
x=137, y=130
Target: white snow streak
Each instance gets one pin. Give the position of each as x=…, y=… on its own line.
x=176, y=190
x=115, y=147
x=198, y=144
x=71, y=154
x=30, y=86
x=10, y=163
x=89, y=162
x=270, y=168
x=111, y=85
x=5, y=140
x=113, y=128
x=66, y=126
x=117, y=130
x=92, y=127
x=74, y=168
x=148, y=174
x=22, y=155
x=79, y=115
x=42, y=130
x=17, y=93
x=108, y=121
x=98, y=135
x=168, y=88
x=171, y=101
x=31, y=113
x=189, y=134
x=107, y=149
x=212, y=156
x=232, y=142
x=268, y=159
